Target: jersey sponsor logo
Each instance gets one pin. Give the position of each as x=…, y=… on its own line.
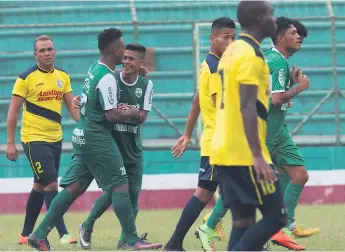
x=126, y=128
x=110, y=96
x=50, y=95
x=39, y=84
x=123, y=171
x=78, y=136
x=281, y=77
x=138, y=92
x=59, y=83
x=150, y=97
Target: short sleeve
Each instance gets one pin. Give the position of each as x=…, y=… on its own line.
x=214, y=83
x=148, y=97
x=249, y=69
x=68, y=86
x=279, y=76
x=107, y=90
x=20, y=88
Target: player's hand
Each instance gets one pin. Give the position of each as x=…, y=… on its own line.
x=123, y=106
x=264, y=171
x=134, y=110
x=289, y=104
x=76, y=102
x=143, y=72
x=303, y=82
x=295, y=73
x=11, y=152
x=179, y=148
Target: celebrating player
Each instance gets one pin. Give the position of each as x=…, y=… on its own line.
x=222, y=34
x=135, y=91
x=41, y=89
x=96, y=153
x=242, y=162
x=284, y=152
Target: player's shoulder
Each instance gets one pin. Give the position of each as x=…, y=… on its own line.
x=248, y=47
x=60, y=70
x=212, y=62
x=144, y=81
x=272, y=55
x=28, y=71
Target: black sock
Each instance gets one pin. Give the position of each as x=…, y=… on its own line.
x=33, y=209
x=59, y=224
x=189, y=215
x=235, y=237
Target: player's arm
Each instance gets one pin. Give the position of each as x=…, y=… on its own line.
x=107, y=97
x=68, y=99
x=18, y=97
x=147, y=103
x=279, y=75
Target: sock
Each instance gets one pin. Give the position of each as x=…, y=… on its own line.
x=59, y=224
x=235, y=237
x=134, y=198
x=56, y=210
x=189, y=215
x=101, y=205
x=33, y=209
x=284, y=180
x=291, y=197
x=123, y=210
x=217, y=214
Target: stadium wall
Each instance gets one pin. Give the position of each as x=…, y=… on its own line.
x=169, y=183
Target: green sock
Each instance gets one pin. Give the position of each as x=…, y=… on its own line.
x=57, y=209
x=123, y=210
x=134, y=197
x=101, y=205
x=284, y=180
x=291, y=197
x=217, y=214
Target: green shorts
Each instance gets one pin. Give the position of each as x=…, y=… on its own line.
x=135, y=176
x=285, y=152
x=106, y=168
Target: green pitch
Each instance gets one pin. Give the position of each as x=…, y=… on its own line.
x=160, y=225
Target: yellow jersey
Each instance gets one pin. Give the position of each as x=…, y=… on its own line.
x=43, y=93
x=242, y=62
x=209, y=84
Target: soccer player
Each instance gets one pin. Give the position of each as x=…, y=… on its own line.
x=301, y=30
x=243, y=166
x=96, y=154
x=222, y=34
x=284, y=152
x=136, y=91
x=42, y=90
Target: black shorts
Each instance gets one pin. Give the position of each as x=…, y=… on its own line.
x=238, y=183
x=206, y=170
x=44, y=159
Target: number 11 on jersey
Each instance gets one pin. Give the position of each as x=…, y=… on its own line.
x=221, y=73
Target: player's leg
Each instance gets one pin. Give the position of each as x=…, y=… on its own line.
x=33, y=205
x=202, y=195
x=290, y=159
x=242, y=193
x=110, y=174
x=75, y=182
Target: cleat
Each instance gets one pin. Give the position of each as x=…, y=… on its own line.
x=23, y=240
x=121, y=245
x=220, y=235
x=84, y=238
x=285, y=240
x=303, y=232
x=39, y=244
x=143, y=244
x=68, y=239
x=207, y=240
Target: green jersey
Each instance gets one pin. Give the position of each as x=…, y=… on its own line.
x=93, y=133
x=280, y=82
x=127, y=134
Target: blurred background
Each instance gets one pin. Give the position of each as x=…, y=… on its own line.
x=177, y=36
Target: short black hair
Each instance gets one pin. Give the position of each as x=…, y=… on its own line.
x=248, y=12
x=223, y=22
x=107, y=37
x=137, y=48
x=301, y=29
x=283, y=23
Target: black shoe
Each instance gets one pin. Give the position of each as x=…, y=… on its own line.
x=85, y=238
x=39, y=244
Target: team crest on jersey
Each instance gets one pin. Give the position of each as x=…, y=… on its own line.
x=138, y=92
x=59, y=83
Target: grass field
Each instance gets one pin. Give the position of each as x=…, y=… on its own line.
x=160, y=225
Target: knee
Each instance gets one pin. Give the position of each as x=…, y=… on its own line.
x=243, y=215
x=76, y=188
x=51, y=187
x=299, y=175
x=203, y=194
x=124, y=188
x=38, y=187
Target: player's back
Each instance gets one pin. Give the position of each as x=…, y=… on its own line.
x=242, y=62
x=97, y=130
x=209, y=84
